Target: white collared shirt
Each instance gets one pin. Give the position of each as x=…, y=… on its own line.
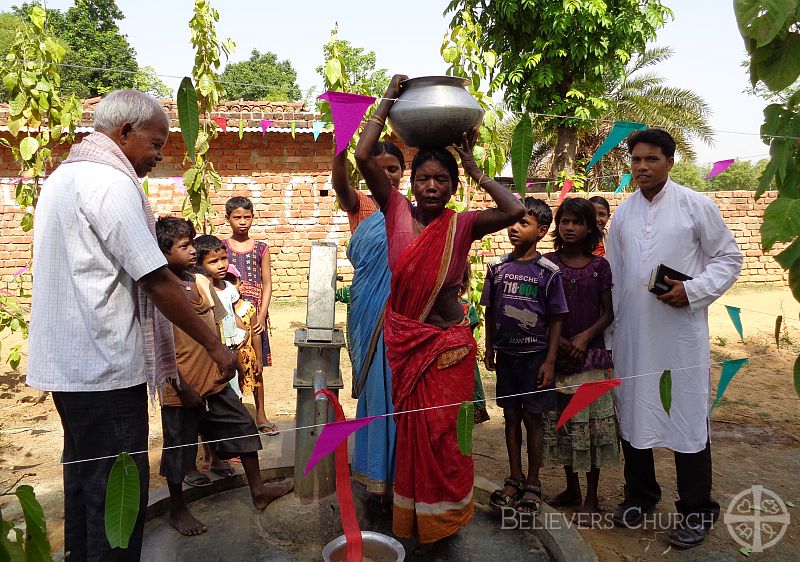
x=90, y=245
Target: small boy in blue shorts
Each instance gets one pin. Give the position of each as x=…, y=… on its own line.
x=202, y=401
x=524, y=302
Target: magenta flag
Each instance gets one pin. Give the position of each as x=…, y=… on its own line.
x=265, y=123
x=179, y=187
x=221, y=122
x=20, y=271
x=348, y=111
x=565, y=190
x=719, y=167
x=332, y=435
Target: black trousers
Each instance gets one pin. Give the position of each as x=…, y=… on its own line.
x=98, y=424
x=694, y=480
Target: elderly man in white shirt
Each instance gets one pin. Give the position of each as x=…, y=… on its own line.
x=666, y=223
x=96, y=335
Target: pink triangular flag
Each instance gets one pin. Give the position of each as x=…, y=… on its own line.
x=265, y=123
x=719, y=167
x=332, y=435
x=347, y=111
x=179, y=187
x=221, y=122
x=565, y=190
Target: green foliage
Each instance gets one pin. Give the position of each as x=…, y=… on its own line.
x=464, y=423
x=553, y=56
x=348, y=69
x=122, y=501
x=460, y=50
x=277, y=79
x=202, y=177
x=30, y=544
x=147, y=81
x=9, y=25
x=689, y=174
x=772, y=38
x=521, y=149
x=356, y=67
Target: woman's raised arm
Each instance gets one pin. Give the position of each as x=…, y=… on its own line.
x=341, y=185
x=509, y=209
x=376, y=179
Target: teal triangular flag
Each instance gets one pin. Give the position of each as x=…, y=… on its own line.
x=733, y=312
x=618, y=133
x=318, y=126
x=624, y=180
x=729, y=369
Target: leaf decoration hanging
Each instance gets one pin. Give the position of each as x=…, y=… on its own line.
x=778, y=324
x=521, y=149
x=465, y=421
x=188, y=115
x=241, y=128
x=665, y=390
x=37, y=547
x=122, y=501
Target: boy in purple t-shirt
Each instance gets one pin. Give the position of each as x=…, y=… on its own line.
x=524, y=302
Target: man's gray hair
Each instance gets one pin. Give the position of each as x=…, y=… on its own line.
x=127, y=106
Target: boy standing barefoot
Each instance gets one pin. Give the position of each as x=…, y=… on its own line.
x=202, y=402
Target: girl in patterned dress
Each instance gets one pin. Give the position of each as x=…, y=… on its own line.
x=251, y=258
x=588, y=441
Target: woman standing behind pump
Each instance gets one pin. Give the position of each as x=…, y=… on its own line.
x=430, y=347
x=373, y=457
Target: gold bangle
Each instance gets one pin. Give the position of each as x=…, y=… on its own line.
x=480, y=181
x=378, y=121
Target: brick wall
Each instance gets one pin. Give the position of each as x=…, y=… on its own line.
x=289, y=182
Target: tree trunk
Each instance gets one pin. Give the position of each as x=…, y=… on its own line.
x=566, y=151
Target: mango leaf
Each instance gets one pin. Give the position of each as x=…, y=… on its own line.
x=665, y=390
x=781, y=70
x=778, y=323
x=781, y=222
x=794, y=281
x=37, y=547
x=797, y=376
x=122, y=501
x=521, y=149
x=791, y=255
x=188, y=115
x=241, y=128
x=294, y=128
x=465, y=421
x=762, y=20
x=146, y=186
x=28, y=147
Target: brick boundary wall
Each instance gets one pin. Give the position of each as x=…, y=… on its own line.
x=289, y=182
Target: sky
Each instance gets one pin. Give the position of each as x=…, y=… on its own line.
x=406, y=38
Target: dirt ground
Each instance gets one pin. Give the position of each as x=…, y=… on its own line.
x=756, y=430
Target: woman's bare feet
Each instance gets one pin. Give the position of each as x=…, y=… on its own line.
x=185, y=523
x=587, y=515
x=267, y=493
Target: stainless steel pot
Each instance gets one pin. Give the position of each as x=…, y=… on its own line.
x=434, y=111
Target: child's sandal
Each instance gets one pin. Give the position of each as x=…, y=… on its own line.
x=500, y=499
x=531, y=505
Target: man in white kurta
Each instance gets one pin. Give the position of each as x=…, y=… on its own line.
x=666, y=223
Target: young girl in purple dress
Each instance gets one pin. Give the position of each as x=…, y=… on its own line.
x=589, y=440
x=251, y=258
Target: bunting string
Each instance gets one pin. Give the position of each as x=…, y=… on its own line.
x=429, y=408
x=311, y=90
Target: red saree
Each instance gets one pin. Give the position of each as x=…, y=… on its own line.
x=431, y=366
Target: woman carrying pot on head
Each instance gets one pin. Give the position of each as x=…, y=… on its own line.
x=429, y=344
x=373, y=456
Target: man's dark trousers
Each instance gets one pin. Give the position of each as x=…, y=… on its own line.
x=694, y=482
x=98, y=424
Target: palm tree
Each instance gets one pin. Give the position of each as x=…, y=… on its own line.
x=635, y=96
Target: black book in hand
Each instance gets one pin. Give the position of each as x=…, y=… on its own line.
x=657, y=285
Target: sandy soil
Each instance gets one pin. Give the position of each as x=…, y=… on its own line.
x=756, y=429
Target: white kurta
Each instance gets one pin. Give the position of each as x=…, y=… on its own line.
x=683, y=230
